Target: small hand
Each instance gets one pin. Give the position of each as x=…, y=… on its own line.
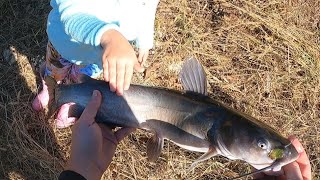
x=93, y=145
x=299, y=169
x=118, y=60
x=143, y=56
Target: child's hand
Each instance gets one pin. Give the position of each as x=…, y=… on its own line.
x=143, y=56
x=118, y=60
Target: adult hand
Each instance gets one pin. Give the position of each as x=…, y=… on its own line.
x=299, y=169
x=93, y=145
x=118, y=60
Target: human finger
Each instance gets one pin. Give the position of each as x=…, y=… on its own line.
x=292, y=171
x=140, y=58
x=92, y=107
x=138, y=67
x=123, y=132
x=121, y=67
x=105, y=71
x=112, y=75
x=258, y=175
x=144, y=59
x=303, y=160
x=128, y=76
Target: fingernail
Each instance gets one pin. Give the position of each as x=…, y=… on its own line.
x=297, y=145
x=112, y=89
x=299, y=149
x=95, y=93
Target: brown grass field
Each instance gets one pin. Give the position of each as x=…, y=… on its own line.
x=261, y=57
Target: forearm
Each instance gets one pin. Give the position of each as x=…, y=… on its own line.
x=110, y=36
x=81, y=19
x=87, y=28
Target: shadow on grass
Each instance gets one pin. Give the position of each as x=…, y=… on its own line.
x=28, y=147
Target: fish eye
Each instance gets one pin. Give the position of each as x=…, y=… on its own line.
x=263, y=144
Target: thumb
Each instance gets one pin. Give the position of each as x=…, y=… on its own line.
x=92, y=107
x=123, y=132
x=138, y=67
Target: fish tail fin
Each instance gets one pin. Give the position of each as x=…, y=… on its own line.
x=52, y=85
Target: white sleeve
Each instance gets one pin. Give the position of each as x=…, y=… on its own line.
x=146, y=34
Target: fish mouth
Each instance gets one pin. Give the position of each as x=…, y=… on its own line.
x=289, y=154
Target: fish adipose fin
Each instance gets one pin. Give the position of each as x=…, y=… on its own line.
x=193, y=77
x=164, y=130
x=211, y=152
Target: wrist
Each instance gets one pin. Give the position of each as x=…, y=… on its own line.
x=88, y=170
x=108, y=36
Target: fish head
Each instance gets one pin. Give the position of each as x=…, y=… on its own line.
x=268, y=151
x=256, y=143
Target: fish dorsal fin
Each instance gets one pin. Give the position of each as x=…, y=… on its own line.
x=193, y=77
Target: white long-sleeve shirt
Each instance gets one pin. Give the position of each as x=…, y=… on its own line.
x=75, y=27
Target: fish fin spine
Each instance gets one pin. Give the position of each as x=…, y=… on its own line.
x=193, y=77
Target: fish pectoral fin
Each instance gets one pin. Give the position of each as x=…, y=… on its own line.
x=193, y=77
x=165, y=130
x=211, y=152
x=154, y=147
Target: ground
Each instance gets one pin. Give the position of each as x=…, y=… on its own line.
x=261, y=57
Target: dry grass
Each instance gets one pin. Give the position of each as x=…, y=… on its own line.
x=261, y=57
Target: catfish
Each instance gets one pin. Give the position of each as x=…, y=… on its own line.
x=190, y=119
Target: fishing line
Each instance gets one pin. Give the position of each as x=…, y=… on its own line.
x=255, y=172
